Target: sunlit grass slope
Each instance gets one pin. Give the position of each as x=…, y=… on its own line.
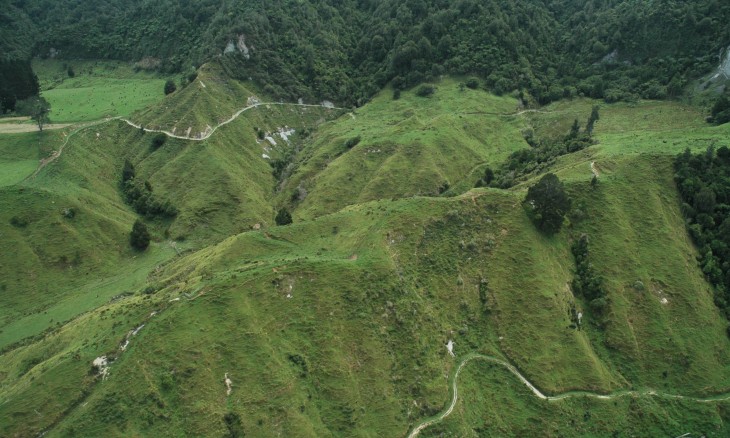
x=210, y=99
x=337, y=324
x=410, y=146
x=97, y=90
x=69, y=225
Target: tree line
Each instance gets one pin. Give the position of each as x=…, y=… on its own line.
x=703, y=181
x=347, y=50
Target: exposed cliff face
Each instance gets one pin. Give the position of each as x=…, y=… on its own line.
x=724, y=69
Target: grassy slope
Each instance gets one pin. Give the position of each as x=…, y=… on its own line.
x=372, y=329
x=18, y=158
x=637, y=233
x=210, y=99
x=98, y=90
x=222, y=186
x=369, y=296
x=410, y=146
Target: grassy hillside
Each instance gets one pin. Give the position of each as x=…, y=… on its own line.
x=410, y=146
x=97, y=89
x=337, y=325
x=69, y=224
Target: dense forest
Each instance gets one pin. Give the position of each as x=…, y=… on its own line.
x=703, y=181
x=17, y=80
x=346, y=50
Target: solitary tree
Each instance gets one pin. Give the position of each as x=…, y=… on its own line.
x=157, y=141
x=37, y=108
x=127, y=171
x=574, y=130
x=170, y=87
x=592, y=120
x=139, y=238
x=283, y=217
x=547, y=203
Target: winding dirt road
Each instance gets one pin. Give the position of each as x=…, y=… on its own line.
x=624, y=393
x=232, y=118
x=56, y=154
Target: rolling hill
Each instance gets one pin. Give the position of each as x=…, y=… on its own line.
x=338, y=324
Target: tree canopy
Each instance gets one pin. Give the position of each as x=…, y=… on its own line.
x=37, y=108
x=139, y=238
x=547, y=204
x=347, y=50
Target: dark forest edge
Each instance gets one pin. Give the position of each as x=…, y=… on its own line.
x=703, y=181
x=346, y=51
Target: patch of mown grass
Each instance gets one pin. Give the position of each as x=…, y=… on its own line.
x=18, y=157
x=96, y=91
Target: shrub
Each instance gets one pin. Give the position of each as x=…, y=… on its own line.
x=128, y=171
x=170, y=87
x=487, y=179
x=283, y=217
x=139, y=238
x=157, y=141
x=19, y=221
x=587, y=283
x=720, y=112
x=351, y=143
x=425, y=90
x=396, y=94
x=140, y=196
x=472, y=83
x=69, y=212
x=234, y=426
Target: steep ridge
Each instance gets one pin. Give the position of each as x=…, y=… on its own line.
x=322, y=321
x=339, y=323
x=69, y=223
x=406, y=147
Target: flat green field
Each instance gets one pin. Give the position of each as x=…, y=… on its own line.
x=96, y=91
x=18, y=157
x=14, y=171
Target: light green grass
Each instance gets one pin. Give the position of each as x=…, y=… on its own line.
x=87, y=297
x=411, y=146
x=15, y=171
x=82, y=99
x=18, y=157
x=96, y=91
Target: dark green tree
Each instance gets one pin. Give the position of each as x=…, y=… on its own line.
x=472, y=83
x=157, y=141
x=37, y=108
x=547, y=203
x=574, y=130
x=425, y=90
x=283, y=217
x=170, y=87
x=127, y=171
x=488, y=176
x=139, y=238
x=720, y=112
x=592, y=120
